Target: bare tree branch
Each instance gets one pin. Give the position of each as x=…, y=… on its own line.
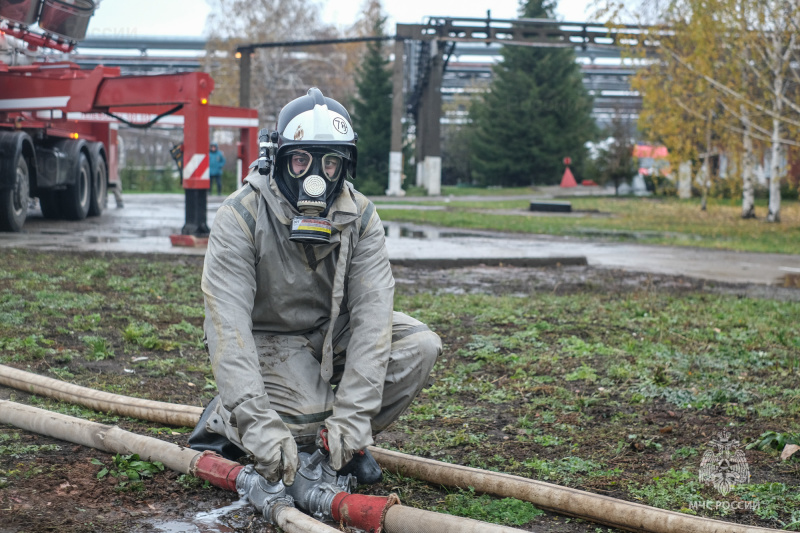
x=722, y=87
x=766, y=132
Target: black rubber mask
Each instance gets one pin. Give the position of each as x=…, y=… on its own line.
x=311, y=179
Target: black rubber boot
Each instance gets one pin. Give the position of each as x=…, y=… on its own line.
x=364, y=467
x=201, y=439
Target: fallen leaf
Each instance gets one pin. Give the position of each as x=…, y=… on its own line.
x=788, y=451
x=667, y=429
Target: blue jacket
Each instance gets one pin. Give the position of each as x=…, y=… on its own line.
x=215, y=162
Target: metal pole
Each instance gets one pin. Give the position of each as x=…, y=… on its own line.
x=244, y=77
x=396, y=147
x=433, y=112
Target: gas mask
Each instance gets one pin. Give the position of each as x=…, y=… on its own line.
x=310, y=155
x=311, y=177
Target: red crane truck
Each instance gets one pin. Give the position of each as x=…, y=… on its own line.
x=59, y=124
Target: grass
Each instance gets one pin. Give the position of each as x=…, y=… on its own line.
x=616, y=392
x=129, y=469
x=11, y=445
x=666, y=221
x=505, y=511
x=568, y=387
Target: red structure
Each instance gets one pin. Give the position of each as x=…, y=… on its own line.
x=59, y=124
x=568, y=180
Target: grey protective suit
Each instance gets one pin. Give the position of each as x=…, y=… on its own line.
x=300, y=335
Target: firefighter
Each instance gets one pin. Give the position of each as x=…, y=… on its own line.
x=299, y=324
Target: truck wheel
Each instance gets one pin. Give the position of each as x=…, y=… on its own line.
x=14, y=201
x=76, y=198
x=99, y=188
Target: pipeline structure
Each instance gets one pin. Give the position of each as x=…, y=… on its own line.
x=317, y=489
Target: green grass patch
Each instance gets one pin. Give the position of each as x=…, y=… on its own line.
x=11, y=445
x=505, y=511
x=657, y=221
x=674, y=490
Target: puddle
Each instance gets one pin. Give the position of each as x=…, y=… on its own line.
x=397, y=231
x=100, y=238
x=205, y=522
x=127, y=234
x=155, y=232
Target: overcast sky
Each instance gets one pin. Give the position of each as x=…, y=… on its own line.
x=187, y=17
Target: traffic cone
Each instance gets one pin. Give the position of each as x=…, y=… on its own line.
x=568, y=180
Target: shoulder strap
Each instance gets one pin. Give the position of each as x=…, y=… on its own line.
x=365, y=218
x=236, y=203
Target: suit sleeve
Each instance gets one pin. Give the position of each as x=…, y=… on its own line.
x=229, y=288
x=371, y=299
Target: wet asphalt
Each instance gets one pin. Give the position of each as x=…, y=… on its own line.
x=146, y=222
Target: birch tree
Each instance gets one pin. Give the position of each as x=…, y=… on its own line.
x=747, y=65
x=774, y=41
x=681, y=109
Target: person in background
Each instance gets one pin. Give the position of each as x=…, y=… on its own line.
x=215, y=163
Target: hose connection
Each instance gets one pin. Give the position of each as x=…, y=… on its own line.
x=316, y=485
x=266, y=497
x=313, y=491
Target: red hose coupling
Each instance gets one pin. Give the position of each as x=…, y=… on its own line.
x=362, y=511
x=217, y=470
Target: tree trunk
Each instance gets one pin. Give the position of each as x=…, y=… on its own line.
x=778, y=88
x=748, y=170
x=707, y=165
x=774, y=213
x=703, y=173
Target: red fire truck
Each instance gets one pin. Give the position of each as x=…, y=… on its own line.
x=59, y=124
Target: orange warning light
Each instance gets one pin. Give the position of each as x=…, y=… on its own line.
x=74, y=135
x=203, y=101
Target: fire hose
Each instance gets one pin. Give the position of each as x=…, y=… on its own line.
x=331, y=494
x=317, y=489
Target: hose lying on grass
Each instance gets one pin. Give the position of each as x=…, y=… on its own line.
x=369, y=513
x=563, y=500
x=112, y=439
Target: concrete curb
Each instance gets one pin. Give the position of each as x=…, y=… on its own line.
x=491, y=261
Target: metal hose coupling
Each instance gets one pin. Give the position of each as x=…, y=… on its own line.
x=266, y=497
x=316, y=485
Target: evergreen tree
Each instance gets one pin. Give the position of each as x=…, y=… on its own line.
x=536, y=112
x=372, y=116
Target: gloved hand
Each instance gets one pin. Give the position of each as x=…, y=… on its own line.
x=264, y=435
x=340, y=444
x=279, y=460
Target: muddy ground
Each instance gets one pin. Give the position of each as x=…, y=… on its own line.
x=56, y=489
